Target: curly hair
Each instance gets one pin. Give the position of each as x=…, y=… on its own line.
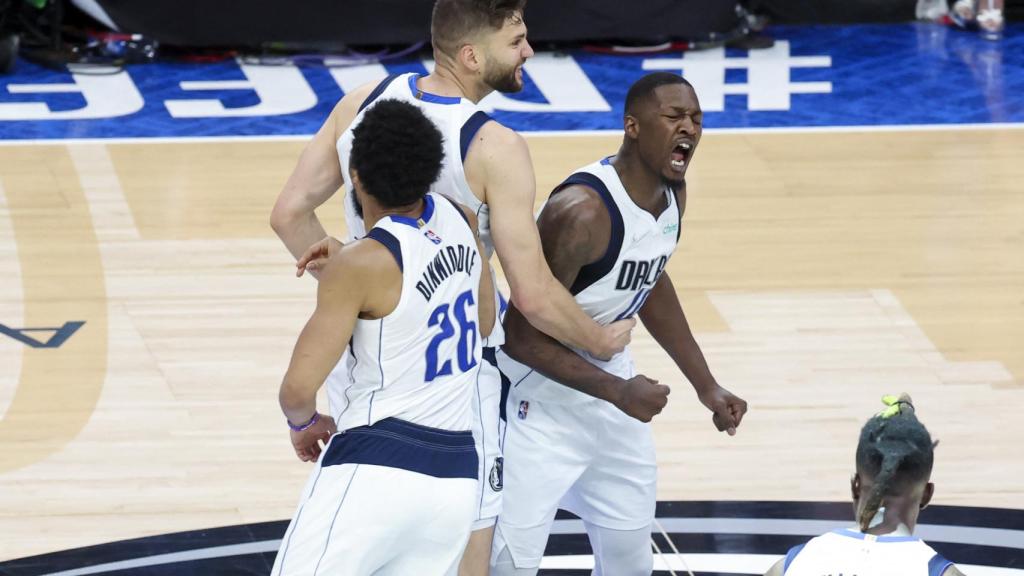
x=397, y=153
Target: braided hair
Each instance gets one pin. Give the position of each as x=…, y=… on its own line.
x=896, y=451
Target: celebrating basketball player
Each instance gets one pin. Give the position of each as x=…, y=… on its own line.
x=891, y=486
x=479, y=46
x=405, y=432
x=577, y=435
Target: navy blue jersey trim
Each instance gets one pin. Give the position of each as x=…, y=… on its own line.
x=428, y=213
x=791, y=555
x=378, y=91
x=594, y=271
x=390, y=242
x=427, y=96
x=679, y=210
x=469, y=130
x=399, y=444
x=937, y=565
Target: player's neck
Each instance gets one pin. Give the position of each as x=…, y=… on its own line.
x=892, y=519
x=646, y=188
x=444, y=81
x=373, y=214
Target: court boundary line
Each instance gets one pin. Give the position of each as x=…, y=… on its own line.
x=993, y=126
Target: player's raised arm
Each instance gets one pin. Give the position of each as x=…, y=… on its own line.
x=327, y=333
x=663, y=317
x=316, y=177
x=538, y=296
x=575, y=228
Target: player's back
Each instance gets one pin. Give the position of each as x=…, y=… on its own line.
x=458, y=119
x=857, y=554
x=616, y=286
x=418, y=363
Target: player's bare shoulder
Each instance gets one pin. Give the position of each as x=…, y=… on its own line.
x=348, y=107
x=497, y=153
x=364, y=270
x=576, y=221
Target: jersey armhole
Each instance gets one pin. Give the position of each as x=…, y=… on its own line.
x=937, y=565
x=791, y=555
x=594, y=271
x=390, y=242
x=469, y=131
x=378, y=91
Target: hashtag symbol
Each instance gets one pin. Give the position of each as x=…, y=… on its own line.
x=768, y=85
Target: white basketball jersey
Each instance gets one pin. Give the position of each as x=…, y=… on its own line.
x=419, y=362
x=458, y=120
x=616, y=286
x=857, y=554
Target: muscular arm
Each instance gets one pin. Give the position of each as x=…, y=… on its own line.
x=339, y=303
x=575, y=228
x=316, y=177
x=509, y=186
x=663, y=317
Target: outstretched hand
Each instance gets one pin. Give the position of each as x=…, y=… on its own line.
x=317, y=255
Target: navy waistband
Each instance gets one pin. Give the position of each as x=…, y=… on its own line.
x=399, y=444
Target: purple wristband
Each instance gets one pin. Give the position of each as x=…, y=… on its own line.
x=307, y=425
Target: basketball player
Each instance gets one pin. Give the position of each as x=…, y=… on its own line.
x=479, y=46
x=577, y=436
x=404, y=299
x=891, y=486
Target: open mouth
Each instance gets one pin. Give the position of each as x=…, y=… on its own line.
x=681, y=154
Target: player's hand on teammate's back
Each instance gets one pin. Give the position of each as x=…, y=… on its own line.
x=317, y=255
x=642, y=398
x=727, y=407
x=307, y=443
x=616, y=337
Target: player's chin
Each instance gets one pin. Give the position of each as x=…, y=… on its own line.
x=673, y=175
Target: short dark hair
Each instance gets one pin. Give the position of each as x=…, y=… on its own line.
x=455, y=22
x=397, y=152
x=897, y=452
x=644, y=87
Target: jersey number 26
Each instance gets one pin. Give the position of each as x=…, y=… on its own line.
x=463, y=306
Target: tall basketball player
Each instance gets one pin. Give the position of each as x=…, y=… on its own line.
x=891, y=486
x=577, y=436
x=479, y=46
x=405, y=431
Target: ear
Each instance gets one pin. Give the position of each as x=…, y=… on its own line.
x=926, y=497
x=855, y=487
x=356, y=183
x=631, y=127
x=468, y=55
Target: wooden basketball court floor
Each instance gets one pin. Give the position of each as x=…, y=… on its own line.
x=819, y=271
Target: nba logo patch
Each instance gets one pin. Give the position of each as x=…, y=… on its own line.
x=524, y=407
x=432, y=237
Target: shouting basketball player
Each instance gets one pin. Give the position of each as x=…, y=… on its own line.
x=577, y=435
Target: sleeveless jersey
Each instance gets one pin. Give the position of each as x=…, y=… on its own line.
x=419, y=362
x=458, y=120
x=854, y=553
x=616, y=286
